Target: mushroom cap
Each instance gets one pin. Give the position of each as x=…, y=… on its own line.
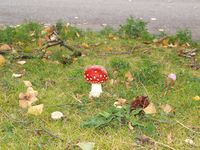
x=96, y=74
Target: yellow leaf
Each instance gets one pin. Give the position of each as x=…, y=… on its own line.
x=165, y=42
x=2, y=60
x=27, y=83
x=196, y=98
x=85, y=45
x=166, y=108
x=77, y=34
x=109, y=48
x=150, y=109
x=36, y=110
x=129, y=76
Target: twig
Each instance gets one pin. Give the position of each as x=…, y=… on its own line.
x=160, y=143
x=122, y=53
x=51, y=134
x=187, y=127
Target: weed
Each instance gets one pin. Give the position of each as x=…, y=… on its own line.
x=67, y=31
x=120, y=65
x=149, y=72
x=135, y=28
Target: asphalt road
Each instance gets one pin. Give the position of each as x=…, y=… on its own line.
x=169, y=15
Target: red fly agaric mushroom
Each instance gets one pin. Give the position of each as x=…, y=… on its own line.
x=96, y=75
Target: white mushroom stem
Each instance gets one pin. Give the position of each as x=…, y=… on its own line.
x=96, y=90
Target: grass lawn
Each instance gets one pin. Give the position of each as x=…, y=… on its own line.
x=61, y=87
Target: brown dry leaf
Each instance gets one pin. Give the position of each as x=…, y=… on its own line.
x=26, y=99
x=140, y=102
x=48, y=30
x=36, y=110
x=121, y=101
x=24, y=103
x=128, y=85
x=150, y=109
x=85, y=45
x=169, y=138
x=129, y=76
x=5, y=47
x=2, y=60
x=41, y=42
x=27, y=83
x=166, y=108
x=109, y=48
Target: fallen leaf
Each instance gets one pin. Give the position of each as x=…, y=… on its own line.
x=104, y=24
x=35, y=110
x=130, y=126
x=165, y=42
x=153, y=19
x=120, y=102
x=140, y=102
x=56, y=115
x=5, y=47
x=85, y=45
x=24, y=103
x=26, y=99
x=86, y=145
x=27, y=83
x=169, y=138
x=22, y=62
x=166, y=108
x=196, y=98
x=2, y=60
x=161, y=30
x=48, y=30
x=150, y=109
x=109, y=48
x=15, y=75
x=41, y=42
x=190, y=142
x=77, y=34
x=129, y=76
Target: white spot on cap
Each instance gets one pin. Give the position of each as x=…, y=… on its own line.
x=95, y=71
x=87, y=75
x=97, y=79
x=100, y=75
x=90, y=79
x=94, y=77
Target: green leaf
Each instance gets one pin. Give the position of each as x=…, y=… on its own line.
x=105, y=114
x=86, y=145
x=150, y=129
